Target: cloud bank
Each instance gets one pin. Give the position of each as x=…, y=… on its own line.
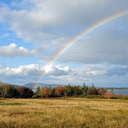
x=12, y=50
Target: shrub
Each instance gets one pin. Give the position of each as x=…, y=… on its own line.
x=92, y=91
x=124, y=97
x=120, y=94
x=36, y=96
x=107, y=95
x=95, y=96
x=114, y=97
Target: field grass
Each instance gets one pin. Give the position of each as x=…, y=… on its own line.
x=63, y=113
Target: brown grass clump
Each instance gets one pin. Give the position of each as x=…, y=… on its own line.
x=63, y=113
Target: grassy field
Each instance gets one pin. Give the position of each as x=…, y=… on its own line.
x=63, y=113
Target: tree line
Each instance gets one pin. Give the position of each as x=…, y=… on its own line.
x=9, y=91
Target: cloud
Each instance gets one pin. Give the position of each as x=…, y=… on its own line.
x=44, y=20
x=120, y=70
x=33, y=70
x=101, y=47
x=51, y=24
x=60, y=71
x=56, y=74
x=101, y=75
x=12, y=50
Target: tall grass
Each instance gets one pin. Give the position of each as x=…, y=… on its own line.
x=63, y=113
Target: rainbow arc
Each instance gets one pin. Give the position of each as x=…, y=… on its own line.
x=80, y=36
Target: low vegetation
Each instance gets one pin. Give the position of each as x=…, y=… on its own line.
x=63, y=113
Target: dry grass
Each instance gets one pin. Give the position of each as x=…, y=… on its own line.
x=63, y=113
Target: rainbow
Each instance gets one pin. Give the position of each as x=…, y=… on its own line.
x=80, y=36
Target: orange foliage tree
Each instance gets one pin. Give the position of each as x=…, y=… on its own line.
x=92, y=91
x=108, y=95
x=59, y=91
x=46, y=92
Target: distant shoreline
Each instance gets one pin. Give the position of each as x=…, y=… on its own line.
x=118, y=88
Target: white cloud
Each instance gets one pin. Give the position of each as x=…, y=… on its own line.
x=43, y=20
x=101, y=75
x=49, y=24
x=32, y=70
x=12, y=50
x=103, y=46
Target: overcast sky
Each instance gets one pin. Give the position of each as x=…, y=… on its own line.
x=32, y=32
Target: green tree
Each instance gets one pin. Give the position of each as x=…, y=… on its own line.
x=68, y=90
x=37, y=93
x=84, y=89
x=8, y=91
x=77, y=90
x=53, y=94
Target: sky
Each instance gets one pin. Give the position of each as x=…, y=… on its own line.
x=32, y=32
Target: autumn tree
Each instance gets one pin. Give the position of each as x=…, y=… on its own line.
x=108, y=95
x=46, y=92
x=24, y=92
x=59, y=91
x=92, y=90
